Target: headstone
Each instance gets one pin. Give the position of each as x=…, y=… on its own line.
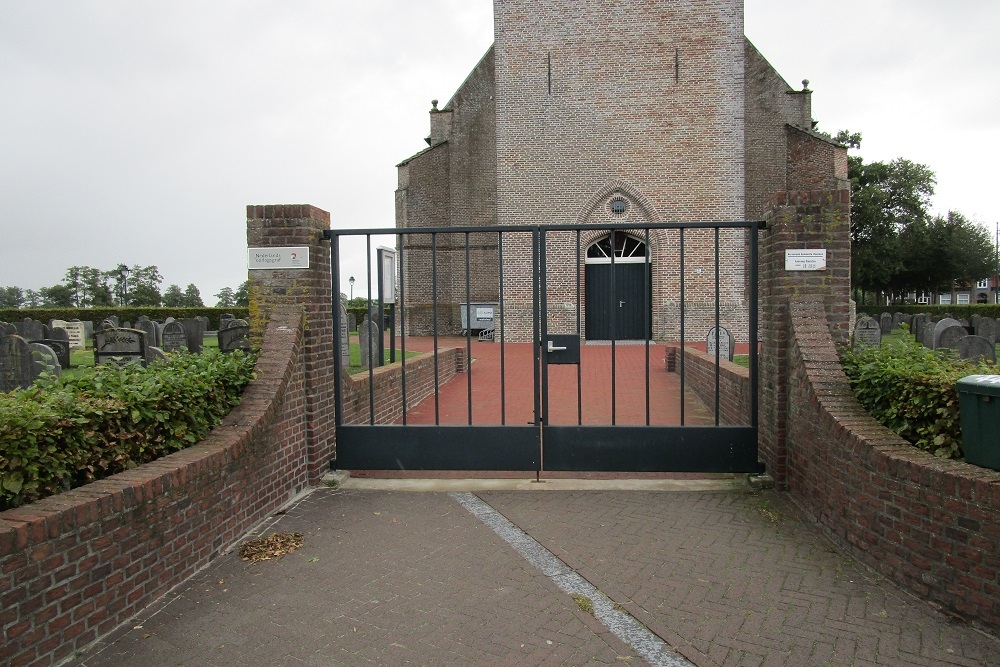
x=88, y=329
x=108, y=323
x=119, y=347
x=964, y=322
x=727, y=344
x=194, y=329
x=77, y=333
x=148, y=327
x=157, y=333
x=225, y=319
x=988, y=328
x=126, y=325
x=368, y=335
x=897, y=319
x=56, y=324
x=234, y=337
x=154, y=354
x=17, y=369
x=918, y=324
x=59, y=334
x=940, y=326
x=885, y=323
x=948, y=338
x=169, y=320
x=974, y=320
x=867, y=333
x=928, y=336
x=174, y=336
x=7, y=329
x=59, y=347
x=352, y=322
x=345, y=338
x=976, y=347
x=30, y=329
x=45, y=359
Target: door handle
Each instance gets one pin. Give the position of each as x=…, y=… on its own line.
x=554, y=348
x=621, y=303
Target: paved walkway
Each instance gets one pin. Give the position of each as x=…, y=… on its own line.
x=713, y=575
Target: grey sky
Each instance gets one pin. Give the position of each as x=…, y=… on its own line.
x=138, y=131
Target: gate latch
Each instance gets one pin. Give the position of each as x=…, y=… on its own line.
x=562, y=349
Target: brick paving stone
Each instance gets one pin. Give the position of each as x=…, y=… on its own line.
x=740, y=579
x=383, y=578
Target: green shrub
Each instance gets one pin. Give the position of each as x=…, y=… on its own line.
x=911, y=390
x=63, y=433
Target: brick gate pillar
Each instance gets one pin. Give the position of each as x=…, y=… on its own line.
x=288, y=225
x=814, y=220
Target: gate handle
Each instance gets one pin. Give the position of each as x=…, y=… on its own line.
x=553, y=348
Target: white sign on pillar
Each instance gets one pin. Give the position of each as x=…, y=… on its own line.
x=387, y=267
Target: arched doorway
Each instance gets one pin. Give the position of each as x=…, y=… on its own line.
x=619, y=293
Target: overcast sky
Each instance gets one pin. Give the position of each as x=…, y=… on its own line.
x=137, y=132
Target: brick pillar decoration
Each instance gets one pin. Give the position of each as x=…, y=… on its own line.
x=295, y=226
x=798, y=220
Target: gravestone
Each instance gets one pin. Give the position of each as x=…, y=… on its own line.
x=234, y=337
x=119, y=347
x=940, y=326
x=867, y=333
x=77, y=333
x=157, y=333
x=88, y=329
x=194, y=329
x=727, y=344
x=106, y=324
x=56, y=324
x=352, y=322
x=885, y=323
x=174, y=337
x=154, y=354
x=59, y=347
x=974, y=320
x=7, y=329
x=988, y=328
x=126, y=325
x=225, y=319
x=45, y=359
x=148, y=327
x=168, y=320
x=917, y=326
x=17, y=369
x=949, y=336
x=345, y=338
x=368, y=334
x=928, y=337
x=976, y=347
x=30, y=329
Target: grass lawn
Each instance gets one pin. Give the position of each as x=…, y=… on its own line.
x=356, y=366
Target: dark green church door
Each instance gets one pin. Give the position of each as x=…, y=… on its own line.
x=619, y=308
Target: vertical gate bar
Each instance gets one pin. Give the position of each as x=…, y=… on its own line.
x=434, y=326
x=536, y=344
x=579, y=364
x=752, y=231
x=338, y=403
x=543, y=312
x=682, y=324
x=371, y=357
x=718, y=296
x=468, y=331
x=402, y=324
x=646, y=300
x=614, y=325
x=503, y=375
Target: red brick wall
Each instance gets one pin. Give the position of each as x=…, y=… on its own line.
x=734, y=385
x=932, y=525
x=75, y=566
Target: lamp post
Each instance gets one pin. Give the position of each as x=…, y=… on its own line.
x=351, y=281
x=123, y=272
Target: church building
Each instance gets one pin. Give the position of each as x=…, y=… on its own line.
x=591, y=112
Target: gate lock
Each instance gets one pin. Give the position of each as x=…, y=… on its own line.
x=562, y=349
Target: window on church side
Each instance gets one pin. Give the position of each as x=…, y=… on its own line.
x=625, y=246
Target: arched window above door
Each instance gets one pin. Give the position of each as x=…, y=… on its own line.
x=627, y=249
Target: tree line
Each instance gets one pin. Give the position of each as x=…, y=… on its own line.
x=897, y=246
x=86, y=286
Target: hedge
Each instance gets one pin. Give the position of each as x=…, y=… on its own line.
x=910, y=389
x=956, y=311
x=62, y=433
x=124, y=314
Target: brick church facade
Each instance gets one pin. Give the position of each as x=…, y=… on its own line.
x=586, y=112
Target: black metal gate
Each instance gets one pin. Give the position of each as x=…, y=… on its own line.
x=511, y=408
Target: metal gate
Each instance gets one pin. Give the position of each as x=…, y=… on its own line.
x=511, y=408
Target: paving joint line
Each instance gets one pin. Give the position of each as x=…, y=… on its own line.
x=621, y=624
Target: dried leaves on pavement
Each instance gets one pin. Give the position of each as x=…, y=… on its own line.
x=273, y=546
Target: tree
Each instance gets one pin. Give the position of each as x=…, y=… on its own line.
x=225, y=298
x=58, y=296
x=11, y=297
x=192, y=297
x=32, y=299
x=886, y=198
x=242, y=295
x=144, y=286
x=173, y=297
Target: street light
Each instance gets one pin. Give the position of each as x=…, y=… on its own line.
x=351, y=281
x=123, y=272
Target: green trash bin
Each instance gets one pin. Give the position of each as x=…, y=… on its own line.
x=979, y=408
